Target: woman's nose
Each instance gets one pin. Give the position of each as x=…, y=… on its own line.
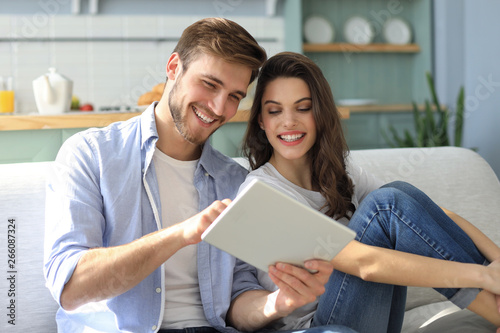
x=290, y=120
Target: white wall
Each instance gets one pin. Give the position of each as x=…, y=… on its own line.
x=111, y=59
x=467, y=52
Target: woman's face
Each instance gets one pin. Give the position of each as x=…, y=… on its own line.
x=287, y=118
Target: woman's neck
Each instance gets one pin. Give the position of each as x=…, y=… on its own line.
x=296, y=171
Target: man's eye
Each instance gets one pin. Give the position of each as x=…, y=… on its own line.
x=211, y=85
x=235, y=97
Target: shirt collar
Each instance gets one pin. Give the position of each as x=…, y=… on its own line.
x=208, y=159
x=148, y=125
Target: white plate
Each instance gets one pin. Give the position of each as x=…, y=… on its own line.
x=358, y=30
x=318, y=30
x=397, y=31
x=356, y=101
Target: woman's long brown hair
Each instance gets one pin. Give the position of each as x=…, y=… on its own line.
x=330, y=150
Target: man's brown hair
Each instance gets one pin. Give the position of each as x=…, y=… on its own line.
x=222, y=38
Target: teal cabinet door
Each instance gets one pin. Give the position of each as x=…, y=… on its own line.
x=32, y=145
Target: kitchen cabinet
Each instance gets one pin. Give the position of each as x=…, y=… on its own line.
x=36, y=138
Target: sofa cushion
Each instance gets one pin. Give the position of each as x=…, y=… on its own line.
x=22, y=201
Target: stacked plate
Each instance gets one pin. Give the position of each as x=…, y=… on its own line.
x=397, y=31
x=357, y=30
x=317, y=30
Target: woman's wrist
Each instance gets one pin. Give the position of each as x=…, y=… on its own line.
x=490, y=277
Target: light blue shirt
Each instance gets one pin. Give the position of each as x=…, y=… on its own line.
x=103, y=192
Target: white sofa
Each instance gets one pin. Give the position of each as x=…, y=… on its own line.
x=456, y=178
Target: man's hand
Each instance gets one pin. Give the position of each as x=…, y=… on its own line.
x=196, y=225
x=298, y=286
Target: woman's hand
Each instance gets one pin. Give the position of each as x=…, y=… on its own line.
x=298, y=286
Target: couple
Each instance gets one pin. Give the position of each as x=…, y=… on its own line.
x=127, y=204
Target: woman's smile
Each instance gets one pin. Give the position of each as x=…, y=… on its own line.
x=291, y=138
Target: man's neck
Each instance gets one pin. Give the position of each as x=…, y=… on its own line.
x=170, y=141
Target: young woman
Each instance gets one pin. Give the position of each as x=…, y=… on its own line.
x=295, y=142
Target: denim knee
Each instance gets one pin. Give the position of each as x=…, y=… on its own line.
x=402, y=186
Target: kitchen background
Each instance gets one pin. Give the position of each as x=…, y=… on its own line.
x=116, y=51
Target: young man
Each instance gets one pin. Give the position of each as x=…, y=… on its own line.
x=115, y=250
x=127, y=204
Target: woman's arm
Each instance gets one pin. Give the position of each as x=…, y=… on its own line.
x=485, y=245
x=382, y=265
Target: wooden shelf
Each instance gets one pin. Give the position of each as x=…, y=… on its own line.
x=88, y=119
x=387, y=108
x=361, y=48
x=69, y=120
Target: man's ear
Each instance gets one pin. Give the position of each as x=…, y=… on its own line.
x=173, y=66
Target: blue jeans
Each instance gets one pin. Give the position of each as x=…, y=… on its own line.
x=322, y=329
x=401, y=217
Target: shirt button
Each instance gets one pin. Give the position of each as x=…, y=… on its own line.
x=206, y=174
x=154, y=327
x=158, y=290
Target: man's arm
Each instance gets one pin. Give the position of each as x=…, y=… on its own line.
x=103, y=273
x=255, y=309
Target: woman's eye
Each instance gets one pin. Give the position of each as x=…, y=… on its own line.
x=305, y=109
x=273, y=111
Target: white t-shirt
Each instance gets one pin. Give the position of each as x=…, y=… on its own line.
x=363, y=182
x=179, y=201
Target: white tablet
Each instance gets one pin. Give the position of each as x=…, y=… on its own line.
x=263, y=226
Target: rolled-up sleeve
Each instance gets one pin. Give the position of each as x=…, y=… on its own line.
x=244, y=279
x=73, y=212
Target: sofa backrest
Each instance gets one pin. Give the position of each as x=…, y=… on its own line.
x=458, y=179
x=22, y=203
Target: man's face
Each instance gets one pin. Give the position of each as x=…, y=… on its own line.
x=206, y=95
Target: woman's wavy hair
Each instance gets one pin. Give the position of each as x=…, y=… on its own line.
x=330, y=150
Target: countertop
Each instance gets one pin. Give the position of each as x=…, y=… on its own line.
x=80, y=119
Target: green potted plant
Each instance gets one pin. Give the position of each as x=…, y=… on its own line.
x=431, y=128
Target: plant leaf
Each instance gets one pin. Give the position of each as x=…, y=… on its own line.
x=459, y=118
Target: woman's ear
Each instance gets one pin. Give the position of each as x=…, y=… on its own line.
x=173, y=66
x=261, y=123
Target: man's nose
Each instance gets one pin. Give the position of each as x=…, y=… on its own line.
x=218, y=104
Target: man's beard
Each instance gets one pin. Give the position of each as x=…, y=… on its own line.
x=180, y=119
